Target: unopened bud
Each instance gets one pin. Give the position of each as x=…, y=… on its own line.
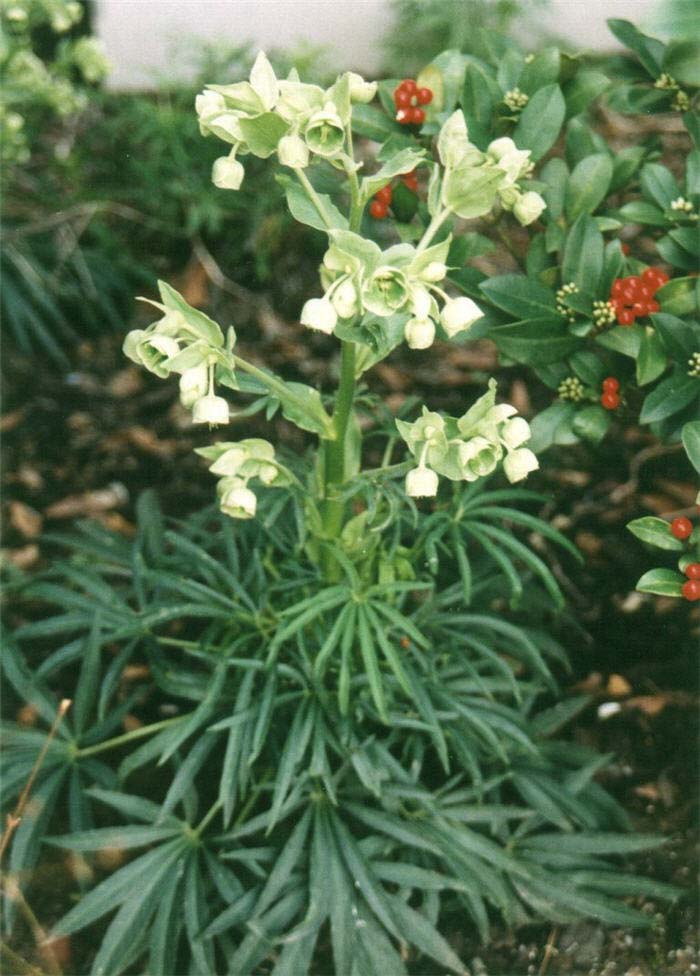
x=518, y=464
x=318, y=313
x=227, y=173
x=459, y=314
x=193, y=385
x=419, y=333
x=210, y=410
x=292, y=151
x=421, y=483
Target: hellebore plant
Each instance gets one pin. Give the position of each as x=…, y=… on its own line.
x=348, y=694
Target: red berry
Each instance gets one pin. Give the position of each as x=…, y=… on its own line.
x=634, y=282
x=402, y=99
x=611, y=384
x=403, y=116
x=653, y=307
x=655, y=277
x=625, y=317
x=692, y=571
x=640, y=308
x=378, y=209
x=384, y=195
x=410, y=181
x=681, y=527
x=644, y=293
x=610, y=400
x=425, y=96
x=409, y=85
x=625, y=248
x=617, y=288
x=691, y=589
x=417, y=116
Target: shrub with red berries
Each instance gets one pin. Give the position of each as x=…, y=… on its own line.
x=633, y=297
x=409, y=100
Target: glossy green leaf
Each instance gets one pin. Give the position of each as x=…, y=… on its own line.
x=655, y=531
x=541, y=121
x=662, y=582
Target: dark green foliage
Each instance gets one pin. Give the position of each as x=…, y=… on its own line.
x=347, y=759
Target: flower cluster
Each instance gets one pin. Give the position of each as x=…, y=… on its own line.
x=409, y=99
x=468, y=447
x=361, y=278
x=235, y=464
x=610, y=397
x=266, y=115
x=187, y=342
x=515, y=100
x=379, y=207
x=604, y=313
x=633, y=297
x=694, y=364
x=572, y=389
x=474, y=180
x=562, y=294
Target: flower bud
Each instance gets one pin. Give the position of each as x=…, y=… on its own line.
x=292, y=151
x=361, y=90
x=345, y=299
x=513, y=161
x=528, y=208
x=434, y=272
x=210, y=410
x=421, y=483
x=193, y=385
x=459, y=314
x=236, y=500
x=419, y=333
x=318, y=313
x=515, y=432
x=518, y=464
x=509, y=196
x=227, y=173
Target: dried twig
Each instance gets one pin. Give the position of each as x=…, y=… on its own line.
x=647, y=454
x=14, y=818
x=549, y=950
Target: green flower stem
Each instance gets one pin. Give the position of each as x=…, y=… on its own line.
x=390, y=470
x=432, y=229
x=356, y=207
x=334, y=473
x=276, y=386
x=314, y=197
x=121, y=740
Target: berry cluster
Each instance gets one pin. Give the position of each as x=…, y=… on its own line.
x=562, y=294
x=633, y=297
x=691, y=589
x=604, y=313
x=515, y=100
x=571, y=389
x=379, y=207
x=610, y=397
x=408, y=99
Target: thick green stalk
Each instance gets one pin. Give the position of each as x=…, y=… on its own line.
x=334, y=455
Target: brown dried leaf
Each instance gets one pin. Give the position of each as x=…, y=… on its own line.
x=25, y=519
x=617, y=686
x=24, y=557
x=126, y=382
x=8, y=421
x=591, y=684
x=89, y=503
x=650, y=705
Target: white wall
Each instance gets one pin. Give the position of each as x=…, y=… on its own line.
x=141, y=36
